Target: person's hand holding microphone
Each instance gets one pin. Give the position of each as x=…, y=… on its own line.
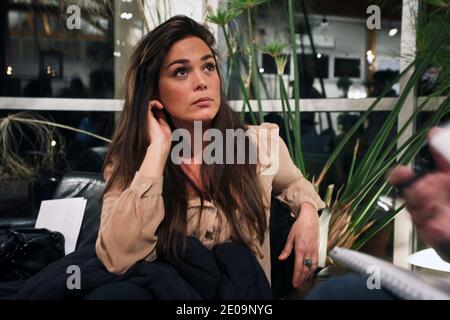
x=428, y=196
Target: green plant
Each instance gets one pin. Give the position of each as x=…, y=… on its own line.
x=352, y=210
x=357, y=202
x=39, y=134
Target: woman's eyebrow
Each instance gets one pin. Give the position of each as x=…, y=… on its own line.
x=183, y=61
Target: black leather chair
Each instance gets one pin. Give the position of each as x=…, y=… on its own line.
x=74, y=184
x=91, y=160
x=90, y=186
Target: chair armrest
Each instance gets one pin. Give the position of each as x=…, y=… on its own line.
x=17, y=222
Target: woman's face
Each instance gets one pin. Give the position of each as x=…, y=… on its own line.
x=189, y=85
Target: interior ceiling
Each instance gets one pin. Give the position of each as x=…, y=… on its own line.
x=390, y=9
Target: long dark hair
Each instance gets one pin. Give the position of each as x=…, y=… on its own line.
x=235, y=188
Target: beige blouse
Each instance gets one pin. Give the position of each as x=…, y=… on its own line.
x=130, y=217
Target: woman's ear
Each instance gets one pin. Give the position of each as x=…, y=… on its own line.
x=155, y=95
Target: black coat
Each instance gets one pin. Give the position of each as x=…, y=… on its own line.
x=228, y=271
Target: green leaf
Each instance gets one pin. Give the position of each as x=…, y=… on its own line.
x=245, y=4
x=223, y=16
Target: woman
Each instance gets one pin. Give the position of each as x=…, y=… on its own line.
x=150, y=201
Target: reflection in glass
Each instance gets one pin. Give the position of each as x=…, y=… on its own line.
x=347, y=67
x=46, y=58
x=73, y=151
x=338, y=55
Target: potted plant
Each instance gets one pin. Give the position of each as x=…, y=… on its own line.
x=350, y=219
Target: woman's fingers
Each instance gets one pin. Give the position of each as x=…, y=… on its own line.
x=303, y=272
x=298, y=270
x=287, y=249
x=161, y=117
x=156, y=104
x=163, y=124
x=315, y=261
x=151, y=120
x=155, y=107
x=150, y=113
x=158, y=129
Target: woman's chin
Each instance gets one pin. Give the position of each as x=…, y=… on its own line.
x=203, y=119
x=203, y=115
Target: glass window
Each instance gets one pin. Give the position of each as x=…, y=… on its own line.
x=74, y=152
x=46, y=57
x=347, y=67
x=338, y=55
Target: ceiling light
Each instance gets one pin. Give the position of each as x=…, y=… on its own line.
x=393, y=32
x=126, y=15
x=370, y=56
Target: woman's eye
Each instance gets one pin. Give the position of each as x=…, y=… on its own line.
x=180, y=72
x=211, y=67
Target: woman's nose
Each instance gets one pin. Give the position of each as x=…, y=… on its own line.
x=200, y=81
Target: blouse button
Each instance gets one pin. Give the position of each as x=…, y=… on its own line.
x=209, y=235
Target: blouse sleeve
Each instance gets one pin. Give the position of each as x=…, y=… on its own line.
x=290, y=187
x=129, y=220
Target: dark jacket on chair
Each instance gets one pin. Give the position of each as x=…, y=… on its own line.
x=201, y=270
x=228, y=271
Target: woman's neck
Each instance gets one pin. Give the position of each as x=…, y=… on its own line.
x=196, y=131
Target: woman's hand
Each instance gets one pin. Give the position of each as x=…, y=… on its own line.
x=159, y=136
x=159, y=131
x=304, y=238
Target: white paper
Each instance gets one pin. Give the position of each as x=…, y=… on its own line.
x=65, y=216
x=428, y=258
x=440, y=140
x=404, y=283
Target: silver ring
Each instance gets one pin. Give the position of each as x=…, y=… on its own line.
x=308, y=262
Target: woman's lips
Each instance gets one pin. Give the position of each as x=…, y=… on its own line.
x=203, y=102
